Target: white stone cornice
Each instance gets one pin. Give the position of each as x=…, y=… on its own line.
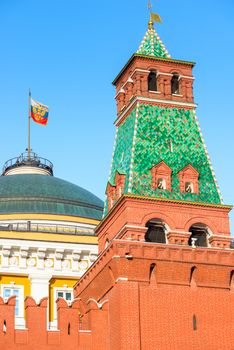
x=153, y=100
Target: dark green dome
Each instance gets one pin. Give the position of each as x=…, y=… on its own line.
x=33, y=193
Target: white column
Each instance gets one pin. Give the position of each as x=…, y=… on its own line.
x=39, y=285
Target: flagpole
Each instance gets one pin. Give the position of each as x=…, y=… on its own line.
x=29, y=117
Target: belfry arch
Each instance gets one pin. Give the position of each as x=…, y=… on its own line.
x=156, y=232
x=199, y=235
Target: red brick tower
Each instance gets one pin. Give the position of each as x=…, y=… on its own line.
x=165, y=275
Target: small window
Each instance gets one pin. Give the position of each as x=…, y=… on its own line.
x=198, y=236
x=175, y=84
x=161, y=184
x=156, y=232
x=194, y=322
x=65, y=293
x=189, y=187
x=107, y=243
x=152, y=81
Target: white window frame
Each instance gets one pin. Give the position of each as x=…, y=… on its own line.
x=20, y=288
x=63, y=290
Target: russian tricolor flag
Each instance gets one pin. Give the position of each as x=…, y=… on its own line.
x=39, y=112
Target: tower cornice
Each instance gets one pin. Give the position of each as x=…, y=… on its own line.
x=152, y=58
x=183, y=203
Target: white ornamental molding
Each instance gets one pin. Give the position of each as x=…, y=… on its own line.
x=14, y=261
x=6, y=251
x=41, y=253
x=31, y=262
x=49, y=263
x=66, y=264
x=76, y=255
x=93, y=257
x=59, y=254
x=24, y=252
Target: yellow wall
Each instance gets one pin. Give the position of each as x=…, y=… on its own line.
x=33, y=236
x=57, y=282
x=53, y=217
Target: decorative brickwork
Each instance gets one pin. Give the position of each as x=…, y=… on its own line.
x=161, y=176
x=189, y=179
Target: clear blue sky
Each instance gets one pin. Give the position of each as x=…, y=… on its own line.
x=68, y=52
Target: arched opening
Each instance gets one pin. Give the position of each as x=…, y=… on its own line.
x=231, y=281
x=199, y=236
x=161, y=184
x=189, y=187
x=4, y=328
x=194, y=322
x=69, y=329
x=152, y=81
x=192, y=280
x=156, y=232
x=152, y=275
x=175, y=84
x=107, y=243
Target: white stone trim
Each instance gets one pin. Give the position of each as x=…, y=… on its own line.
x=119, y=279
x=167, y=74
x=154, y=92
x=186, y=77
x=128, y=226
x=60, y=259
x=147, y=99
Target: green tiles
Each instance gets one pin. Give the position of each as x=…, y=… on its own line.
x=152, y=45
x=171, y=135
x=123, y=149
x=163, y=134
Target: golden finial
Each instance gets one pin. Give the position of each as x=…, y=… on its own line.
x=154, y=17
x=150, y=24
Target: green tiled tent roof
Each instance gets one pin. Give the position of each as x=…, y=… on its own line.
x=152, y=134
x=32, y=193
x=152, y=45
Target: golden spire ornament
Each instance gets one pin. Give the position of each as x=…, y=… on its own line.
x=154, y=17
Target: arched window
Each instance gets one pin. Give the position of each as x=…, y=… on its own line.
x=152, y=81
x=194, y=322
x=175, y=84
x=107, y=243
x=192, y=280
x=156, y=231
x=69, y=329
x=161, y=184
x=231, y=282
x=152, y=274
x=198, y=236
x=189, y=187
